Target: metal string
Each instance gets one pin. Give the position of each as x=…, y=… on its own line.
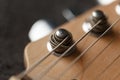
x=21, y=75
x=43, y=73
x=98, y=77
x=88, y=64
x=92, y=44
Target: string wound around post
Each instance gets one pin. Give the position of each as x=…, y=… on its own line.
x=93, y=19
x=56, y=38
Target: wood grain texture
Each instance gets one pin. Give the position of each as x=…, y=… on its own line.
x=104, y=67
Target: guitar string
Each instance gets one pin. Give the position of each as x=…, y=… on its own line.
x=72, y=63
x=22, y=74
x=92, y=44
x=57, y=60
x=98, y=77
x=90, y=62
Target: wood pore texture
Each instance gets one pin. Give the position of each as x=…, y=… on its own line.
x=102, y=65
x=16, y=18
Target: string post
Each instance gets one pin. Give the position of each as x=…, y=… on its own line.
x=93, y=19
x=56, y=39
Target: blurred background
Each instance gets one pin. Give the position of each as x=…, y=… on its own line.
x=16, y=19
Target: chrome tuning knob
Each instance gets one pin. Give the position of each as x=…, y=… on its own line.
x=93, y=19
x=56, y=38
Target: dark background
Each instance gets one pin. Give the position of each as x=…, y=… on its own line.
x=16, y=18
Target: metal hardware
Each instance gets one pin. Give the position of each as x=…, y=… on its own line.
x=58, y=37
x=93, y=19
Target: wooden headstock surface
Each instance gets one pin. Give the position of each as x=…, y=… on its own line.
x=102, y=65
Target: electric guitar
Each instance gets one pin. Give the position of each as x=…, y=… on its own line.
x=86, y=48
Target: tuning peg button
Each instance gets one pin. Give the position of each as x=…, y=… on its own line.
x=40, y=29
x=117, y=8
x=92, y=20
x=105, y=2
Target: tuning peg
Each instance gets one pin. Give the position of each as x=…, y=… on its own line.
x=56, y=38
x=92, y=20
x=40, y=29
x=70, y=13
x=105, y=2
x=117, y=8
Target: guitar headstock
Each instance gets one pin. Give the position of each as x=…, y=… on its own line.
x=100, y=62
